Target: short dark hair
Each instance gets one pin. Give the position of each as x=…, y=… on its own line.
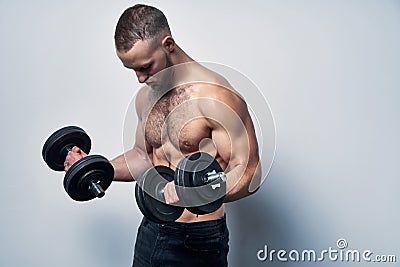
x=139, y=22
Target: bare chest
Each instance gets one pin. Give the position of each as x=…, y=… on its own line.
x=175, y=119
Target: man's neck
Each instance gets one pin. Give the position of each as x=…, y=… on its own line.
x=180, y=56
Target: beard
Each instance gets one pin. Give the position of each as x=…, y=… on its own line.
x=164, y=79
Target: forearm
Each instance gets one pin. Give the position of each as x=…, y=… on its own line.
x=121, y=170
x=242, y=181
x=128, y=166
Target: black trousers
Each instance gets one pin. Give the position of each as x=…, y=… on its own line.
x=182, y=244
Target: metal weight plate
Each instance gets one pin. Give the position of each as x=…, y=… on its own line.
x=141, y=197
x=201, y=198
x=180, y=183
x=149, y=196
x=140, y=200
x=77, y=180
x=55, y=150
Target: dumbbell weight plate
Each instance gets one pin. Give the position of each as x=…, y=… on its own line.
x=183, y=195
x=55, y=150
x=149, y=198
x=140, y=200
x=200, y=198
x=77, y=180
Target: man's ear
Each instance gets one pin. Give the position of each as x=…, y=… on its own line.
x=168, y=44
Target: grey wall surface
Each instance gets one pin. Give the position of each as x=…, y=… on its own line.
x=329, y=70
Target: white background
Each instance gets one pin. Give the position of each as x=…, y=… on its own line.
x=330, y=72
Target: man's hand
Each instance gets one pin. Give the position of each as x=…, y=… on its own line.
x=170, y=193
x=73, y=156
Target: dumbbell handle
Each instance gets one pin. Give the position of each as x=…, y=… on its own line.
x=207, y=178
x=68, y=149
x=96, y=188
x=213, y=176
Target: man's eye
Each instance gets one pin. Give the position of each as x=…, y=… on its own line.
x=145, y=67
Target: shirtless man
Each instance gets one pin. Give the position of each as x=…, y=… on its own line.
x=178, y=118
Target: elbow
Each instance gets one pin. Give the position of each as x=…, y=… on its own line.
x=248, y=185
x=256, y=180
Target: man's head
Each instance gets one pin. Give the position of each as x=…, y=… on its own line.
x=139, y=23
x=143, y=41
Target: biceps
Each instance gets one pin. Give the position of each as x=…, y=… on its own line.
x=223, y=143
x=233, y=146
x=237, y=144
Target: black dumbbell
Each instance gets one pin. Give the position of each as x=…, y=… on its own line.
x=199, y=181
x=149, y=194
x=87, y=178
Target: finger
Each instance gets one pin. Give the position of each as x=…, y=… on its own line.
x=67, y=165
x=68, y=159
x=76, y=149
x=169, y=194
x=166, y=194
x=176, y=198
x=71, y=158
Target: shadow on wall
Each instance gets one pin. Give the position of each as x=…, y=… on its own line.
x=266, y=218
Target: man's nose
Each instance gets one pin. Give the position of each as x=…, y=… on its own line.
x=142, y=77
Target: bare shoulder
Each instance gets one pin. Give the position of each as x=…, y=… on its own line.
x=216, y=86
x=217, y=93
